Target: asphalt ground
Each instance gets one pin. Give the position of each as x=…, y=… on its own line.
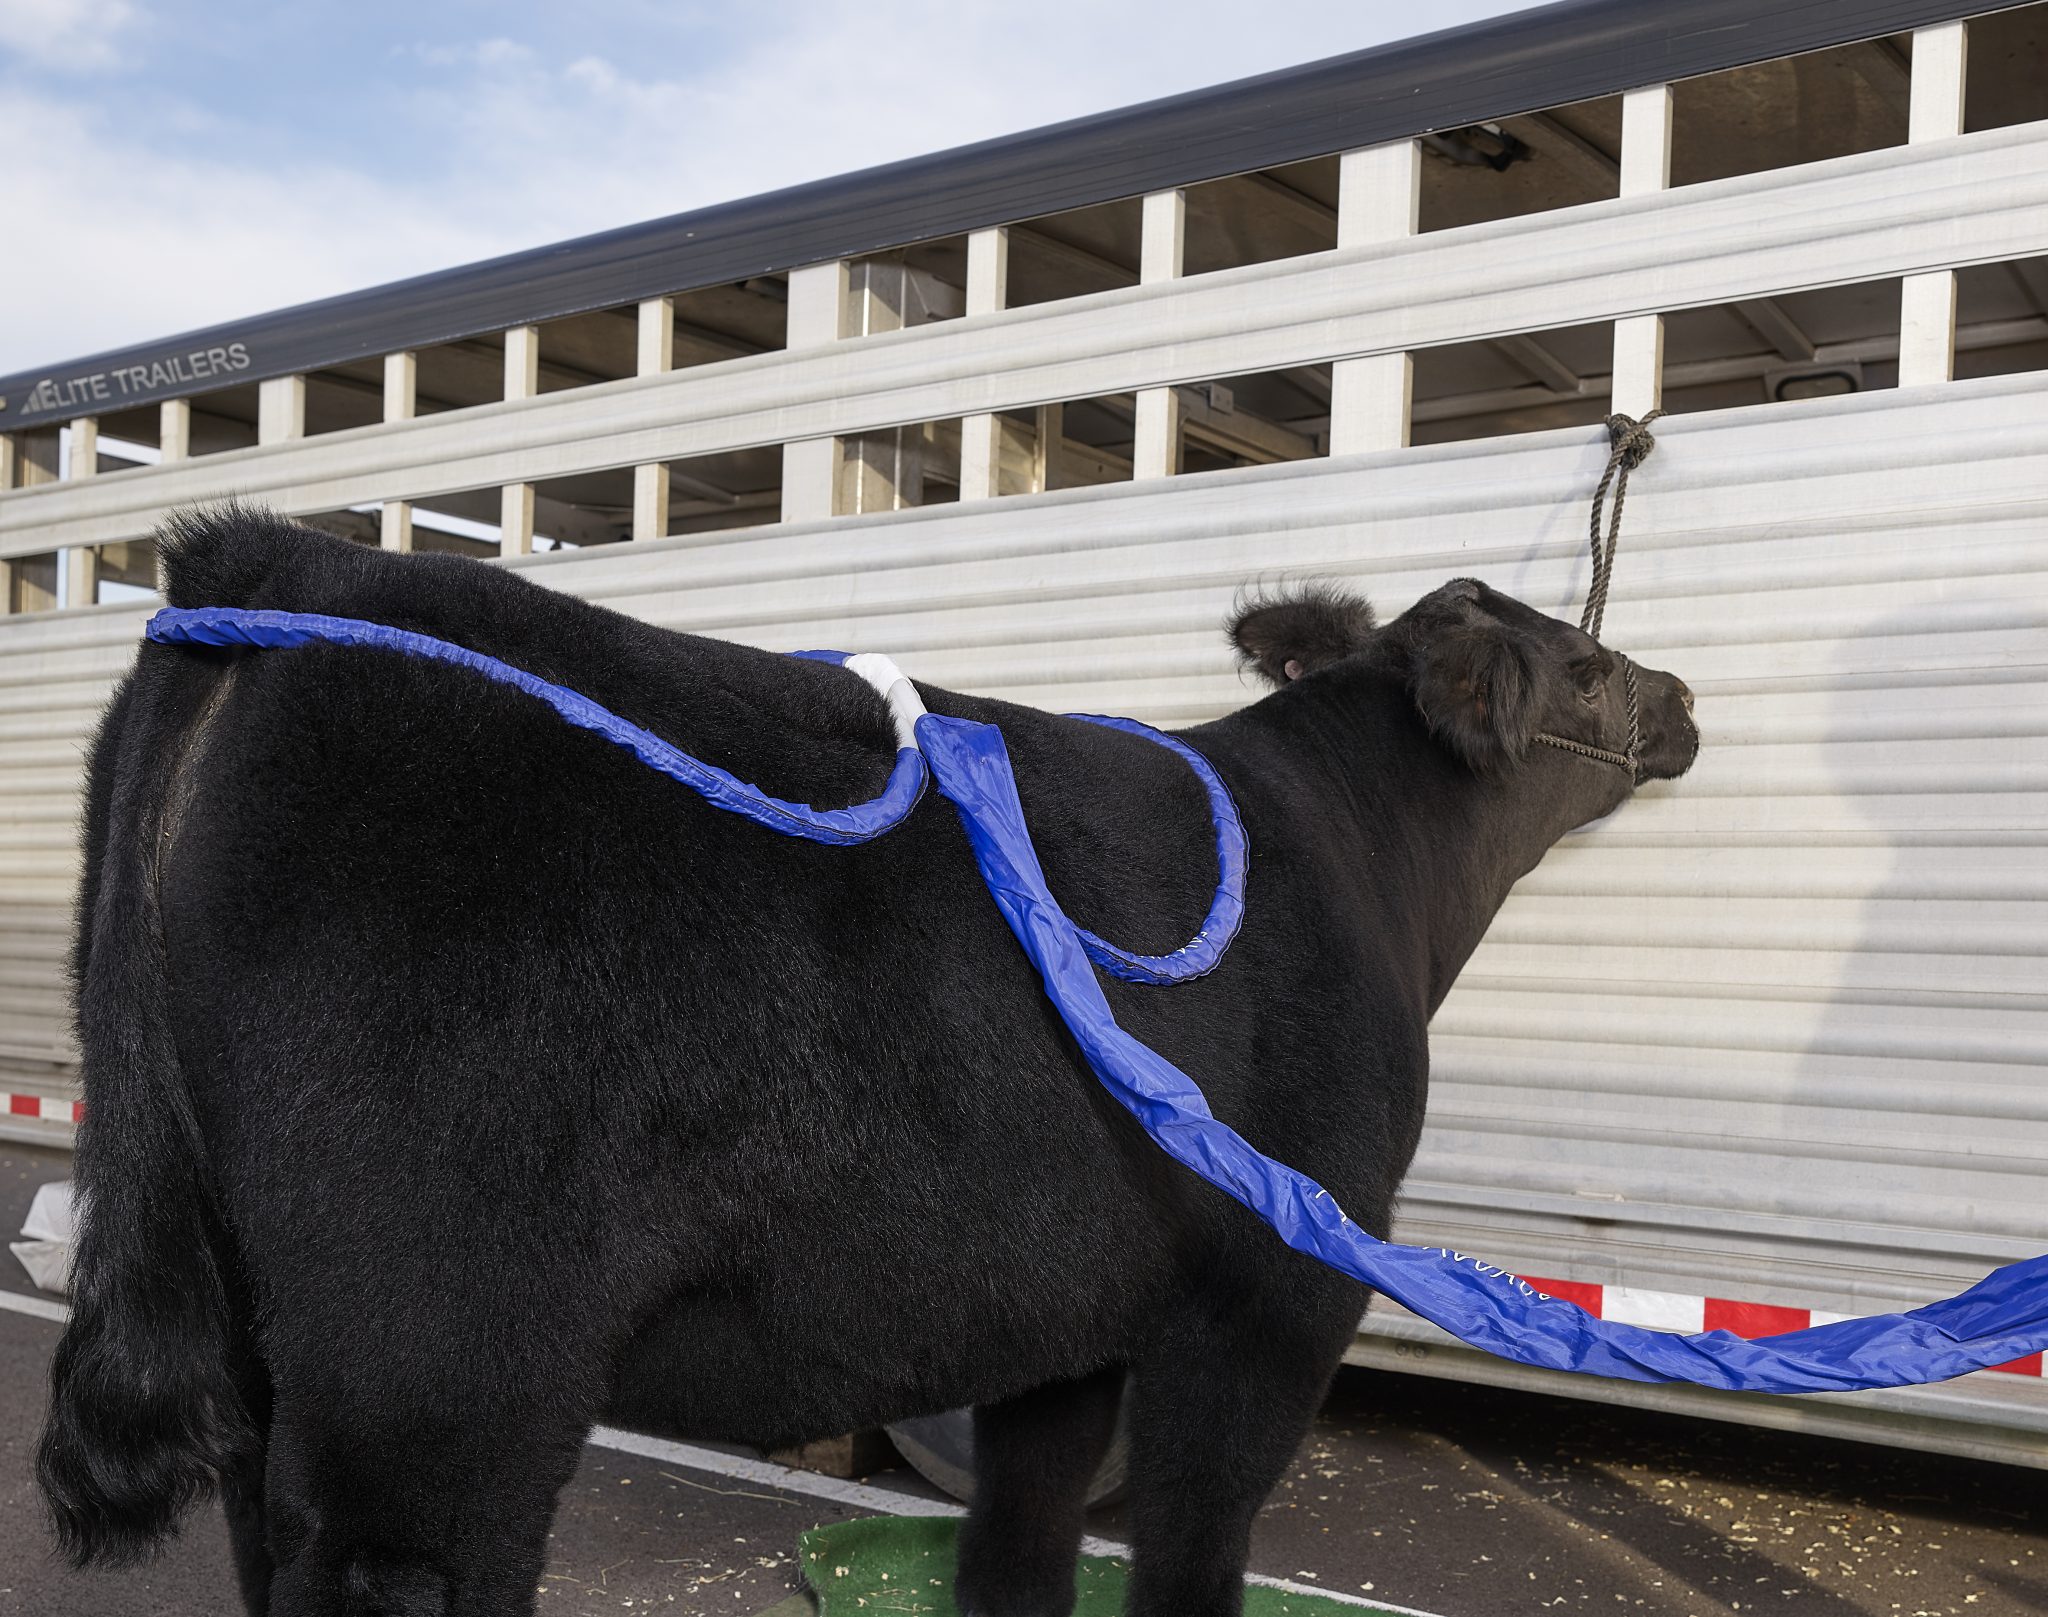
x=1458, y=1501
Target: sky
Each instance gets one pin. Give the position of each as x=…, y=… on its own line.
x=172, y=163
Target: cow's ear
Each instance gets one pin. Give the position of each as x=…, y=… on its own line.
x=1476, y=690
x=1308, y=627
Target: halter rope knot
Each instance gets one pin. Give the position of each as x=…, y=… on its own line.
x=1631, y=442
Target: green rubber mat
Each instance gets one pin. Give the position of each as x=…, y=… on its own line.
x=902, y=1566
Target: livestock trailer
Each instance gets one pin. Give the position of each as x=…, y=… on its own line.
x=1769, y=1044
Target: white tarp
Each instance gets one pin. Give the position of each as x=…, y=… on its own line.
x=45, y=1247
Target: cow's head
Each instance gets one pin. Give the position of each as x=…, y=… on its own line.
x=1492, y=679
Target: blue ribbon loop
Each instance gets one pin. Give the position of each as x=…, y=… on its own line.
x=2001, y=1318
x=1202, y=953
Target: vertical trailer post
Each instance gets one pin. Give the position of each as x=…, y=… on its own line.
x=1927, y=302
x=281, y=410
x=80, y=564
x=174, y=430
x=1379, y=199
x=817, y=316
x=82, y=454
x=173, y=443
x=1645, y=167
x=401, y=403
x=1162, y=252
x=522, y=381
x=988, y=291
x=656, y=353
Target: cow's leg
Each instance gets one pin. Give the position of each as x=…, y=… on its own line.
x=399, y=1514
x=425, y=1415
x=1219, y=1409
x=241, y=1498
x=1034, y=1457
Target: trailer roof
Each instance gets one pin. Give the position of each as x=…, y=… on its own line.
x=1546, y=57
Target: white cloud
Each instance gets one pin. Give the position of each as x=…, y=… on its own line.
x=484, y=53
x=73, y=35
x=120, y=242
x=507, y=148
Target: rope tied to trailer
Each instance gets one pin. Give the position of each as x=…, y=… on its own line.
x=1631, y=442
x=2002, y=1318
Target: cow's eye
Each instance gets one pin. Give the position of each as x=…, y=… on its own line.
x=1591, y=682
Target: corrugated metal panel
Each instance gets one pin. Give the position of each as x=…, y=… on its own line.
x=1775, y=1031
x=55, y=672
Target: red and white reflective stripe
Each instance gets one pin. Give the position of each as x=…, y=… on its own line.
x=1678, y=1311
x=43, y=1108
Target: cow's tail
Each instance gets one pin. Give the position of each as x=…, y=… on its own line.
x=146, y=1408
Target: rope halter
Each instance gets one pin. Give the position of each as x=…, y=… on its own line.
x=1630, y=760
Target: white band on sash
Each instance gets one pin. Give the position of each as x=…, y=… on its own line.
x=904, y=705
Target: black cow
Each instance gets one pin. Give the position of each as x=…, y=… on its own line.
x=454, y=1081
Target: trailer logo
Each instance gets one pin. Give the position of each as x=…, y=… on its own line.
x=80, y=393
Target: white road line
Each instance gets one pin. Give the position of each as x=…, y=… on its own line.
x=770, y=1475
x=858, y=1495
